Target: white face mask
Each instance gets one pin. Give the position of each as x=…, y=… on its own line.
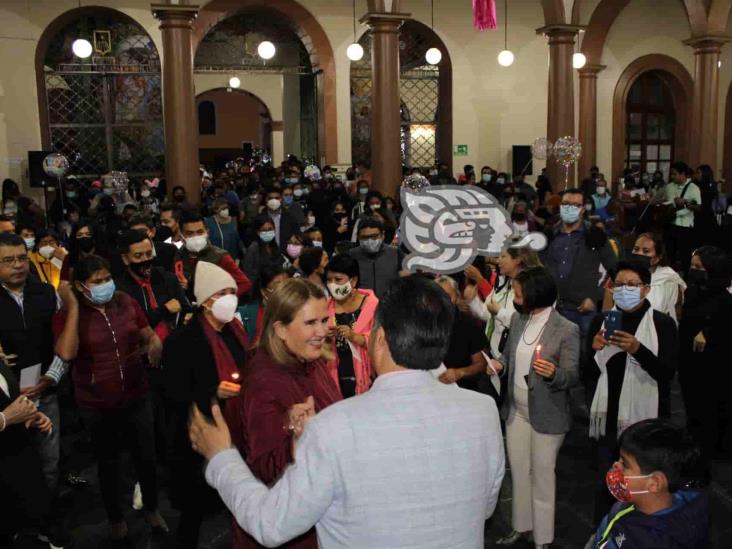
x=601, y=191
x=311, y=220
x=224, y=214
x=273, y=204
x=224, y=308
x=46, y=251
x=196, y=243
x=340, y=291
x=145, y=193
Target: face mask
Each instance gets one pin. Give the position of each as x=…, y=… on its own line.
x=273, y=204
x=627, y=298
x=644, y=260
x=486, y=178
x=521, y=228
x=224, y=308
x=292, y=180
x=267, y=236
x=588, y=207
x=29, y=243
x=363, y=191
x=294, y=250
x=340, y=291
x=196, y=243
x=500, y=180
x=145, y=193
x=254, y=198
x=601, y=191
x=569, y=213
x=224, y=214
x=85, y=244
x=375, y=207
x=617, y=483
x=298, y=192
x=70, y=194
x=46, y=251
x=311, y=220
x=519, y=308
x=371, y=245
x=317, y=243
x=339, y=215
x=288, y=199
x=142, y=269
x=179, y=197
x=696, y=276
x=108, y=191
x=102, y=293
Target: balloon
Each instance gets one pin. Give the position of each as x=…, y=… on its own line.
x=541, y=148
x=415, y=182
x=56, y=165
x=312, y=172
x=567, y=150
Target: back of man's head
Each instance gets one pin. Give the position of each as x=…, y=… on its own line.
x=417, y=316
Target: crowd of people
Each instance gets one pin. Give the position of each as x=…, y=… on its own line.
x=260, y=345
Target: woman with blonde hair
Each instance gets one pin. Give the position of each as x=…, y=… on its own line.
x=286, y=375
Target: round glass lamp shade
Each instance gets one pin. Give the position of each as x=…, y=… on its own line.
x=505, y=58
x=579, y=60
x=82, y=48
x=234, y=82
x=354, y=52
x=433, y=56
x=266, y=50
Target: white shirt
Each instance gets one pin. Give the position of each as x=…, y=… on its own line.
x=684, y=216
x=4, y=386
x=527, y=346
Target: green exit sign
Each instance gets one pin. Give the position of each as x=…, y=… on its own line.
x=460, y=150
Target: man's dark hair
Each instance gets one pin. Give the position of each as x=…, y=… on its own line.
x=46, y=232
x=538, y=288
x=658, y=445
x=417, y=317
x=310, y=259
x=370, y=222
x=272, y=190
x=11, y=239
x=129, y=207
x=468, y=169
x=187, y=217
x=573, y=190
x=130, y=237
x=682, y=168
x=267, y=273
x=87, y=266
x=174, y=208
x=25, y=227
x=635, y=266
x=142, y=219
x=344, y=264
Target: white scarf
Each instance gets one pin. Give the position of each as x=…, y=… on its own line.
x=639, y=393
x=665, y=287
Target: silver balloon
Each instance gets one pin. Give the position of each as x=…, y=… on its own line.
x=541, y=148
x=56, y=165
x=415, y=182
x=567, y=150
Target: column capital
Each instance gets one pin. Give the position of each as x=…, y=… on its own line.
x=707, y=44
x=590, y=70
x=384, y=20
x=551, y=31
x=174, y=15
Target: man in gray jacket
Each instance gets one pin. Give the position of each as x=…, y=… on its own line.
x=410, y=463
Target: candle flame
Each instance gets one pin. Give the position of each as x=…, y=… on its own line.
x=235, y=375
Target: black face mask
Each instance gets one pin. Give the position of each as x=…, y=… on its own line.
x=163, y=233
x=142, y=269
x=520, y=217
x=179, y=197
x=519, y=308
x=339, y=215
x=696, y=277
x=642, y=260
x=85, y=244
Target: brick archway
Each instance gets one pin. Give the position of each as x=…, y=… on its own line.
x=681, y=85
x=313, y=38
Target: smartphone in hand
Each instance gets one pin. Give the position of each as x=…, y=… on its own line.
x=613, y=322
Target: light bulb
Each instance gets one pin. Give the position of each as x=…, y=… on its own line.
x=266, y=50
x=354, y=52
x=505, y=58
x=433, y=56
x=579, y=60
x=234, y=82
x=81, y=48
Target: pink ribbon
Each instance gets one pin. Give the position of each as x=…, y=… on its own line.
x=152, y=184
x=484, y=14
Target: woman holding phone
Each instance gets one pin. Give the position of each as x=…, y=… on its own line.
x=634, y=348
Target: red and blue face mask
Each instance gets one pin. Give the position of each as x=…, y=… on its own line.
x=617, y=483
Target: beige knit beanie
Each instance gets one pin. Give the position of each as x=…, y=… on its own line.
x=210, y=279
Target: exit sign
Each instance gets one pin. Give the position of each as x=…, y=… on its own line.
x=460, y=150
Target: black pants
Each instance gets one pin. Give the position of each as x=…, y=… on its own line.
x=113, y=430
x=679, y=242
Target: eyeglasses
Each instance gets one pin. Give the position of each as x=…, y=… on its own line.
x=9, y=261
x=630, y=285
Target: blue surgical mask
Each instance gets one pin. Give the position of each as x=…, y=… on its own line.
x=267, y=236
x=288, y=199
x=627, y=298
x=486, y=177
x=363, y=191
x=292, y=180
x=500, y=181
x=30, y=242
x=102, y=293
x=569, y=213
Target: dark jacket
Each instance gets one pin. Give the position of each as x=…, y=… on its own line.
x=165, y=255
x=685, y=525
x=28, y=333
x=377, y=271
x=289, y=225
x=165, y=286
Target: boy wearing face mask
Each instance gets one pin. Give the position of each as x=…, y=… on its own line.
x=204, y=360
x=635, y=363
x=654, y=509
x=198, y=248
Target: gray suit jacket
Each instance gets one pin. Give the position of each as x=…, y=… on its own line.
x=549, y=408
x=410, y=463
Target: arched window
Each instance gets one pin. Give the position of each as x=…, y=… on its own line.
x=103, y=112
x=206, y=118
x=650, y=124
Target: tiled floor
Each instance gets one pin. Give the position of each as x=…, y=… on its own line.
x=575, y=489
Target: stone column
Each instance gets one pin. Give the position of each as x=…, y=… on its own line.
x=588, y=118
x=386, y=163
x=179, y=99
x=705, y=103
x=560, y=111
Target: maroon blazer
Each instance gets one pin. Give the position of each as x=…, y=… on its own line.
x=269, y=390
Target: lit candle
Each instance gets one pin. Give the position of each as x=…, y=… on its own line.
x=538, y=352
x=235, y=377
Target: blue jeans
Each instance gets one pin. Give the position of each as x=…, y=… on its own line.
x=49, y=445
